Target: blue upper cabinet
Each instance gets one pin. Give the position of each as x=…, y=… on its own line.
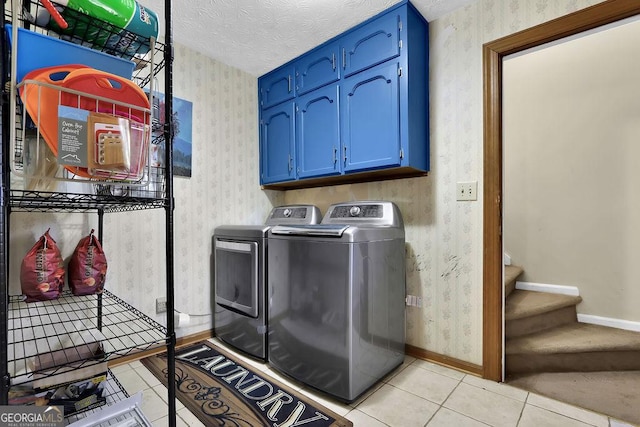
x=360, y=102
x=372, y=43
x=277, y=87
x=318, y=68
x=318, y=133
x=371, y=119
x=277, y=148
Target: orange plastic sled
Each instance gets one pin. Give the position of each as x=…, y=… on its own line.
x=42, y=102
x=106, y=85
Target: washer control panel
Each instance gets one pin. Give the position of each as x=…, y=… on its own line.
x=357, y=211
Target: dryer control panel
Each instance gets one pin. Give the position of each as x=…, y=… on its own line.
x=294, y=214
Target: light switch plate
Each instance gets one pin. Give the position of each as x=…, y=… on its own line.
x=467, y=191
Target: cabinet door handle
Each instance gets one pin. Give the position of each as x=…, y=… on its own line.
x=333, y=61
x=289, y=162
x=344, y=58
x=345, y=155
x=335, y=155
x=289, y=81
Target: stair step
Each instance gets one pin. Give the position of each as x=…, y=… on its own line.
x=511, y=274
x=576, y=338
x=521, y=303
x=578, y=347
x=533, y=324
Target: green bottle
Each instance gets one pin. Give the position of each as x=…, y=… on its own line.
x=122, y=27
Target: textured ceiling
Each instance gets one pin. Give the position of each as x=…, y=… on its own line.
x=258, y=35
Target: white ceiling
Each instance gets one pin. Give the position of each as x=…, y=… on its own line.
x=259, y=35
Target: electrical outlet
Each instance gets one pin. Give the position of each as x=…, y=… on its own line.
x=466, y=191
x=161, y=305
x=413, y=301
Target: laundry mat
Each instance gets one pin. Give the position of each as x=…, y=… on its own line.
x=221, y=391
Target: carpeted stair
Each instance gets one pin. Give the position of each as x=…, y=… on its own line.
x=549, y=353
x=543, y=335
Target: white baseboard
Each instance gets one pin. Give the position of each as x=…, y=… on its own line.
x=607, y=321
x=552, y=289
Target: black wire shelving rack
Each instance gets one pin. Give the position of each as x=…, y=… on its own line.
x=31, y=329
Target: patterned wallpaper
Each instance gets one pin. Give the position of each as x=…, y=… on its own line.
x=224, y=189
x=444, y=237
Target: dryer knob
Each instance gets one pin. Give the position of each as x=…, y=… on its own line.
x=287, y=213
x=354, y=211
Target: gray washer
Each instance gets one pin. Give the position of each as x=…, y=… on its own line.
x=337, y=298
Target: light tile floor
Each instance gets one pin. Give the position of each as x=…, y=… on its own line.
x=418, y=393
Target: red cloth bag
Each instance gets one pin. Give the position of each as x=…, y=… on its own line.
x=42, y=271
x=87, y=267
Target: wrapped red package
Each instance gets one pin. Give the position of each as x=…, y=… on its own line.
x=42, y=271
x=87, y=267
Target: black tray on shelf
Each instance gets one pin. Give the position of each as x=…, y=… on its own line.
x=113, y=391
x=109, y=393
x=40, y=328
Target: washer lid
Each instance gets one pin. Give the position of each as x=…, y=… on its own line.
x=326, y=230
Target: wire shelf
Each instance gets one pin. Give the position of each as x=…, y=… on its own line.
x=107, y=199
x=103, y=326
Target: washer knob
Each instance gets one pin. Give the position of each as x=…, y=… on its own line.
x=287, y=213
x=354, y=211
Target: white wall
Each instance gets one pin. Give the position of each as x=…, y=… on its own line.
x=444, y=237
x=571, y=127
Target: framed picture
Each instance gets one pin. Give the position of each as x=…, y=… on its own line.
x=182, y=135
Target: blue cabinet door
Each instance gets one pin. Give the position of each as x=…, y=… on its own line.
x=277, y=131
x=371, y=44
x=318, y=132
x=277, y=86
x=318, y=68
x=370, y=106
